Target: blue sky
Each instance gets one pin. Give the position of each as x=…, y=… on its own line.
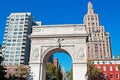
x=67, y=12
x=64, y=59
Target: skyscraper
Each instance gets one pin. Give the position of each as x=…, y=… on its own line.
x=16, y=41
x=98, y=45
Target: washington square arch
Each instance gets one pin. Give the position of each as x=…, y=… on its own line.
x=47, y=39
x=72, y=39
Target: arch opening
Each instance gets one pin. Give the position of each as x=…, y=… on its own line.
x=53, y=54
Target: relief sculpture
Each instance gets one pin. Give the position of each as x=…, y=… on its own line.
x=80, y=55
x=35, y=53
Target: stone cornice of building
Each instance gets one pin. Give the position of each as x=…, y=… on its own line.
x=60, y=25
x=104, y=59
x=58, y=35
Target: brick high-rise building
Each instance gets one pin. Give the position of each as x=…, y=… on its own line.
x=98, y=45
x=56, y=63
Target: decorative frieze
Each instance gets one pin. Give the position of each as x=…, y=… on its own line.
x=54, y=41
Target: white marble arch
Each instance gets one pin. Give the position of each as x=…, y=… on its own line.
x=45, y=40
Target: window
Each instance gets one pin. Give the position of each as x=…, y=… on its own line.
x=14, y=40
x=21, y=26
x=111, y=75
x=92, y=18
x=103, y=62
x=88, y=24
x=116, y=68
x=19, y=44
x=17, y=19
x=21, y=22
x=20, y=29
x=98, y=67
x=17, y=56
x=105, y=76
x=17, y=52
x=12, y=19
x=9, y=36
x=16, y=59
x=96, y=18
x=12, y=48
x=5, y=59
x=11, y=59
x=117, y=75
x=20, y=32
x=15, y=29
x=18, y=48
x=8, y=44
x=98, y=62
x=12, y=53
x=22, y=15
x=110, y=68
x=7, y=49
x=15, y=33
x=16, y=65
x=10, y=63
x=22, y=19
x=16, y=22
x=10, y=69
x=7, y=52
x=9, y=40
x=15, y=36
x=19, y=40
x=104, y=68
x=6, y=55
x=13, y=44
x=19, y=36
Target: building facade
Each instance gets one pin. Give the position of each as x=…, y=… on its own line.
x=56, y=63
x=98, y=45
x=109, y=68
x=16, y=41
x=17, y=72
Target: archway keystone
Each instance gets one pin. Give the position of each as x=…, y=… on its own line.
x=49, y=39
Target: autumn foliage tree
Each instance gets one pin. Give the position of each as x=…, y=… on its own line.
x=93, y=72
x=22, y=72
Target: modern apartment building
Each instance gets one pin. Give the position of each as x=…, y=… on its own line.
x=98, y=45
x=16, y=41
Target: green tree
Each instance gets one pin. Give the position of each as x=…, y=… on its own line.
x=2, y=73
x=69, y=75
x=119, y=59
x=2, y=69
x=1, y=59
x=52, y=73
